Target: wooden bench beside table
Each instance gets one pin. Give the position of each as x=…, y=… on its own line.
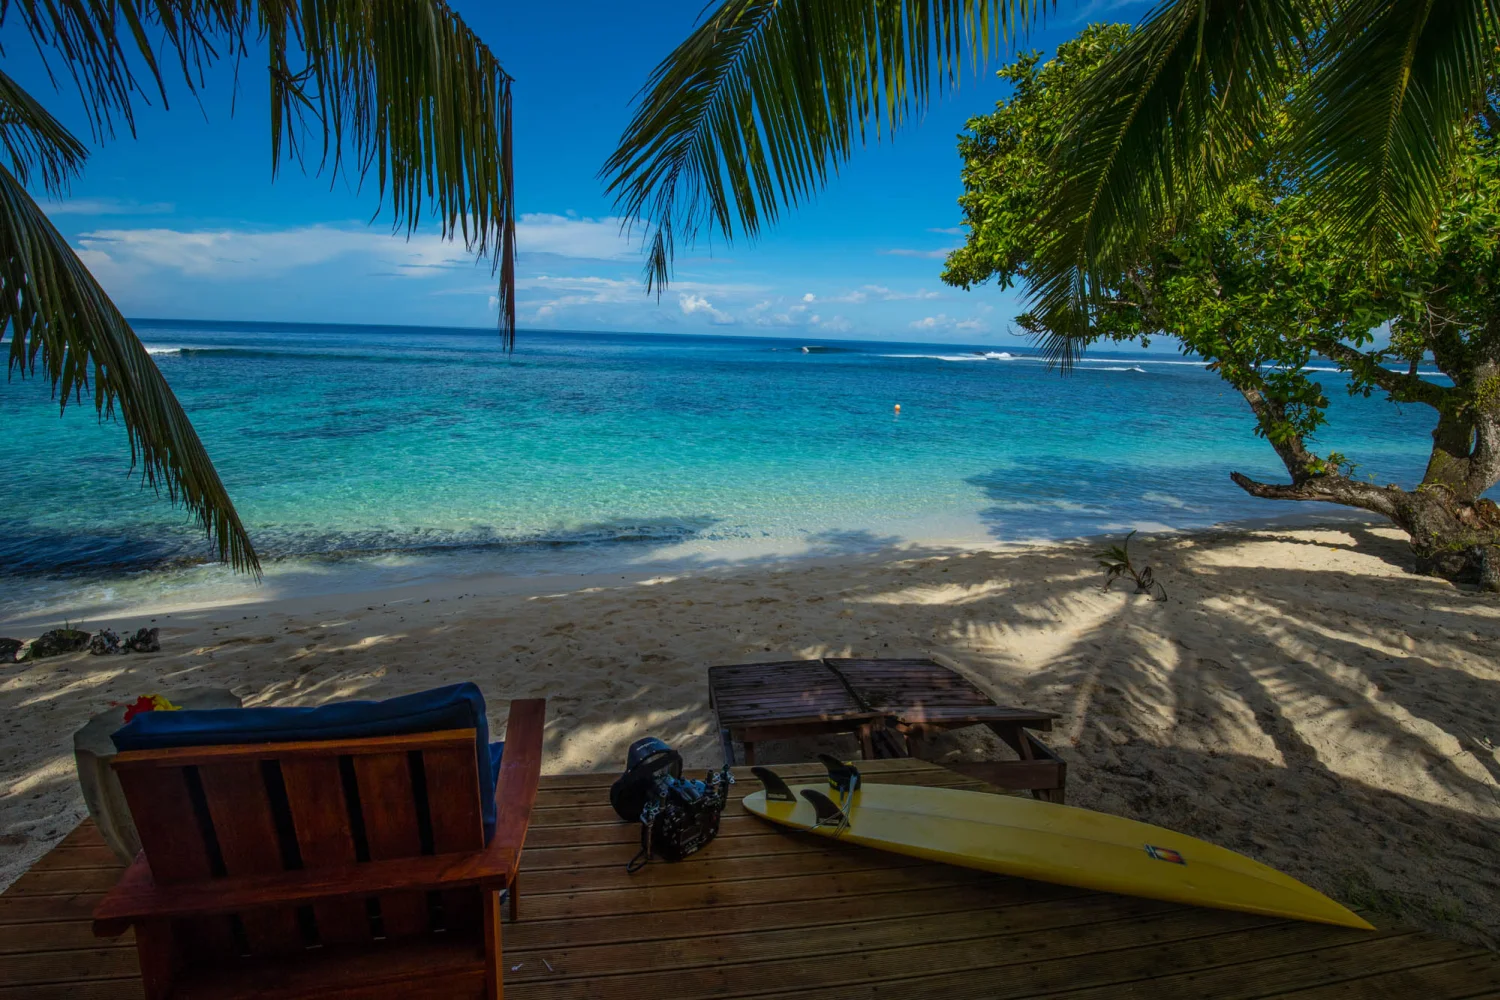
x=890, y=704
x=335, y=868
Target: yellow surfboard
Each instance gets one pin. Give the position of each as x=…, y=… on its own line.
x=1044, y=841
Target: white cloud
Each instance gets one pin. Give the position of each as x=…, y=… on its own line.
x=106, y=206
x=942, y=321
x=571, y=236
x=881, y=293
x=241, y=254
x=837, y=324
x=579, y=291
x=948, y=230
x=248, y=254
x=692, y=304
x=809, y=297
x=933, y=254
x=763, y=314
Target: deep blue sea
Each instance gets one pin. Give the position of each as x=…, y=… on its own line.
x=376, y=453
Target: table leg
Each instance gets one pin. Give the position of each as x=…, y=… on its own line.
x=749, y=753
x=866, y=742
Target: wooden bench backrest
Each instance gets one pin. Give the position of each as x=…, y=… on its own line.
x=252, y=809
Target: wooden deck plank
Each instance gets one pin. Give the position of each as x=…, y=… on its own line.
x=1247, y=975
x=57, y=935
x=776, y=915
x=877, y=904
x=733, y=943
x=47, y=909
x=67, y=966
x=65, y=858
x=1448, y=977
x=96, y=989
x=707, y=897
x=1097, y=953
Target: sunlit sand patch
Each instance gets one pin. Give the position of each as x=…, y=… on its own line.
x=74, y=686
x=53, y=771
x=952, y=593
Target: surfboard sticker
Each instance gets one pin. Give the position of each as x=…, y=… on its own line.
x=1165, y=854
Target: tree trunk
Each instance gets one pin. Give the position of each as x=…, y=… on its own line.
x=1451, y=537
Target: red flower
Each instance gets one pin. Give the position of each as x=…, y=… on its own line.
x=141, y=704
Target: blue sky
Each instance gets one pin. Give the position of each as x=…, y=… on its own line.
x=183, y=221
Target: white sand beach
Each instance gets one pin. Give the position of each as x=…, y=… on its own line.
x=1300, y=697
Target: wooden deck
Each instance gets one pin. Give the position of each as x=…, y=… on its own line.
x=767, y=913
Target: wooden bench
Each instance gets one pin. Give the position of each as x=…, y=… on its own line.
x=340, y=868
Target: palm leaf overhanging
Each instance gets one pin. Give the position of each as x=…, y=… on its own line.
x=751, y=113
x=398, y=88
x=766, y=97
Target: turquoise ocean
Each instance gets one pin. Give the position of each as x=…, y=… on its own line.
x=372, y=456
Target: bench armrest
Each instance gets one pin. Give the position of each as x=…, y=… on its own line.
x=520, y=774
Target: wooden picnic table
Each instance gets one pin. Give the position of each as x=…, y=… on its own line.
x=765, y=912
x=890, y=704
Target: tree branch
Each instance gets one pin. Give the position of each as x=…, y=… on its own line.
x=1328, y=489
x=1300, y=463
x=1412, y=387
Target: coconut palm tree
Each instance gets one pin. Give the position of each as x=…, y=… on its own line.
x=751, y=113
x=398, y=87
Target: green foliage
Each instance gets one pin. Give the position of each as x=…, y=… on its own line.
x=1258, y=280
x=402, y=87
x=1115, y=561
x=766, y=98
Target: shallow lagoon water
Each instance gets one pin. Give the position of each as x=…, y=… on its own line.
x=385, y=455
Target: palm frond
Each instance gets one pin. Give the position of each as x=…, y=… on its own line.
x=402, y=87
x=753, y=111
x=38, y=146
x=1395, y=79
x=413, y=96
x=98, y=43
x=1160, y=127
x=60, y=320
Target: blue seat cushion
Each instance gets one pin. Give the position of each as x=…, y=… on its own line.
x=457, y=706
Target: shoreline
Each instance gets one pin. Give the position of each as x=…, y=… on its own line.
x=451, y=572
x=1300, y=697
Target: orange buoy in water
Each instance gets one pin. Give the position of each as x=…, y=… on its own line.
x=898, y=409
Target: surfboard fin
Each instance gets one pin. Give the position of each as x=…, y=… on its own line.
x=842, y=778
x=828, y=813
x=776, y=789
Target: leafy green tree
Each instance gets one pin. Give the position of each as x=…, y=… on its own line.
x=754, y=110
x=1259, y=283
x=402, y=87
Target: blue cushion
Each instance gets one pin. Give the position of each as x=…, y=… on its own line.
x=457, y=706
